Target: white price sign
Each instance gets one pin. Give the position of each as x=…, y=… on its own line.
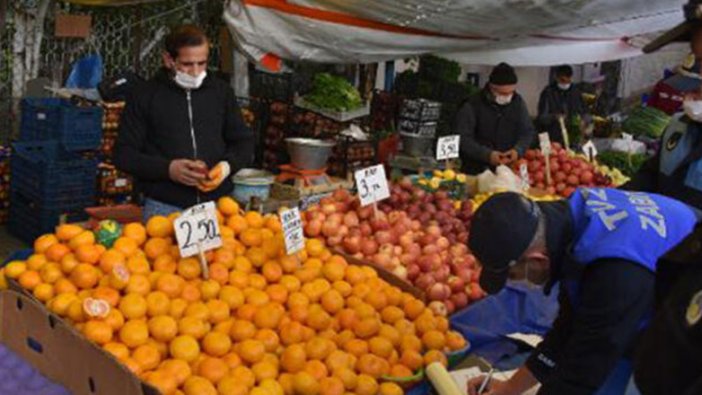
x=292, y=230
x=447, y=147
x=627, y=137
x=372, y=185
x=590, y=150
x=545, y=143
x=197, y=230
x=524, y=175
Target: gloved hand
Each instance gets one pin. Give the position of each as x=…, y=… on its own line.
x=215, y=177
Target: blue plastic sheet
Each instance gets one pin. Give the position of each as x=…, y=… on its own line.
x=86, y=73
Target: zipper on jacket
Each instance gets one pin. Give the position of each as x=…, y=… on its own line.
x=188, y=94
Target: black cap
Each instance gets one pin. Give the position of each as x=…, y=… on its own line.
x=693, y=17
x=503, y=74
x=501, y=230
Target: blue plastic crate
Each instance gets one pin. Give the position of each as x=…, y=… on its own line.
x=77, y=128
x=29, y=220
x=44, y=173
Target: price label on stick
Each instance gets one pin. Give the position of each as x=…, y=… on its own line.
x=292, y=230
x=197, y=230
x=545, y=143
x=524, y=175
x=447, y=147
x=590, y=150
x=372, y=185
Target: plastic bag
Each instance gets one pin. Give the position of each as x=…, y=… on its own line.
x=86, y=73
x=503, y=180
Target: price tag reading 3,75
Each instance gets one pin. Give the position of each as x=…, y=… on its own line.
x=292, y=230
x=197, y=230
x=447, y=147
x=372, y=185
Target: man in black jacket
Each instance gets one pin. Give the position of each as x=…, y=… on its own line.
x=560, y=99
x=495, y=127
x=182, y=134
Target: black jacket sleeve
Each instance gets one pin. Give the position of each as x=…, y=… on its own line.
x=526, y=130
x=129, y=155
x=586, y=343
x=545, y=118
x=465, y=125
x=238, y=136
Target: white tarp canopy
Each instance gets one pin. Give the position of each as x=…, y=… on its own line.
x=521, y=32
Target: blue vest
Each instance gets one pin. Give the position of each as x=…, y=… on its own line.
x=635, y=226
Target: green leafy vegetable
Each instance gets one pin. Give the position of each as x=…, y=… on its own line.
x=620, y=160
x=333, y=93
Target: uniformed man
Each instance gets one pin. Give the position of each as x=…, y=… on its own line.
x=602, y=247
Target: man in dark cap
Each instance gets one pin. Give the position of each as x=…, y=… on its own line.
x=495, y=127
x=669, y=360
x=560, y=99
x=601, y=246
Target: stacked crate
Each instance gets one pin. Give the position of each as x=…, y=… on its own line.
x=113, y=186
x=53, y=164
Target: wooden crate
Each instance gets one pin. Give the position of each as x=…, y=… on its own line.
x=282, y=191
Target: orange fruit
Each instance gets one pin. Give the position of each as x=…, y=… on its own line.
x=110, y=258
x=305, y=383
x=335, y=269
x=219, y=311
x=291, y=333
x=433, y=340
x=63, y=285
x=412, y=359
x=254, y=219
x=132, y=365
x=165, y=264
x=338, y=359
x=177, y=308
x=84, y=276
x=216, y=344
x=332, y=301
x=455, y=341
x=314, y=247
x=251, y=237
x=36, y=262
x=98, y=332
x=256, y=256
x=118, y=350
x=414, y=308
x=380, y=346
x=44, y=292
x=293, y=358
x=29, y=279
x=164, y=382
x=318, y=319
x=237, y=223
x=331, y=386
x=147, y=356
x=400, y=371
x=43, y=242
x=319, y=348
x=159, y=226
x=270, y=339
x=196, y=385
x=244, y=376
x=65, y=232
x=135, y=231
x=435, y=356
x=348, y=377
x=232, y=296
x=109, y=295
x=179, y=369
x=192, y=326
x=227, y=206
x=372, y=365
x=126, y=246
x=316, y=368
x=184, y=347
x=219, y=273
x=213, y=369
x=134, y=333
x=189, y=268
x=170, y=285
x=83, y=238
x=163, y=328
x=390, y=333
x=191, y=293
x=14, y=269
x=56, y=252
x=264, y=370
x=251, y=351
x=268, y=316
x=156, y=246
x=138, y=284
x=389, y=388
x=356, y=347
x=392, y=314
x=366, y=327
x=115, y=319
x=272, y=272
x=138, y=265
x=133, y=306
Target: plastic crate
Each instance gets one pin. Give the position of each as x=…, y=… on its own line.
x=55, y=179
x=77, y=128
x=421, y=110
x=271, y=86
x=29, y=220
x=417, y=128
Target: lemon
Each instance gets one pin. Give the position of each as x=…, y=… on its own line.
x=449, y=175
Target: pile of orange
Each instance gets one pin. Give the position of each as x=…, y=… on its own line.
x=263, y=323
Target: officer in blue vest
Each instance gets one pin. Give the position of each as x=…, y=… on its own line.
x=601, y=246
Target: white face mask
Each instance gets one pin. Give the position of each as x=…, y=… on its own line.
x=564, y=87
x=693, y=109
x=503, y=100
x=187, y=81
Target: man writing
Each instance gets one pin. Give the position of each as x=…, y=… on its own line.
x=559, y=100
x=602, y=246
x=181, y=133
x=495, y=127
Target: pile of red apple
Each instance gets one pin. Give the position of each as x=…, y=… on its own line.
x=567, y=172
x=417, y=252
x=430, y=208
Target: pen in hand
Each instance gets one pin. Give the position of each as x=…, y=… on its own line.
x=486, y=381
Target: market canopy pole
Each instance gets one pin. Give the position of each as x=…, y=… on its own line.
x=536, y=33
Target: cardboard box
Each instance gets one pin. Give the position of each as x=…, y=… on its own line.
x=73, y=26
x=59, y=351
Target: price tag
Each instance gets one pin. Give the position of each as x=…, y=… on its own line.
x=590, y=150
x=524, y=174
x=545, y=143
x=121, y=182
x=627, y=137
x=292, y=230
x=372, y=185
x=41, y=116
x=197, y=230
x=447, y=147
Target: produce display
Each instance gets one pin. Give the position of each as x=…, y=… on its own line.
x=263, y=323
x=447, y=180
x=628, y=164
x=333, y=93
x=418, y=236
x=568, y=172
x=646, y=121
x=274, y=135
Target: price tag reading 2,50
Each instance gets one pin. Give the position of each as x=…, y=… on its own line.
x=447, y=147
x=292, y=230
x=197, y=230
x=372, y=185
